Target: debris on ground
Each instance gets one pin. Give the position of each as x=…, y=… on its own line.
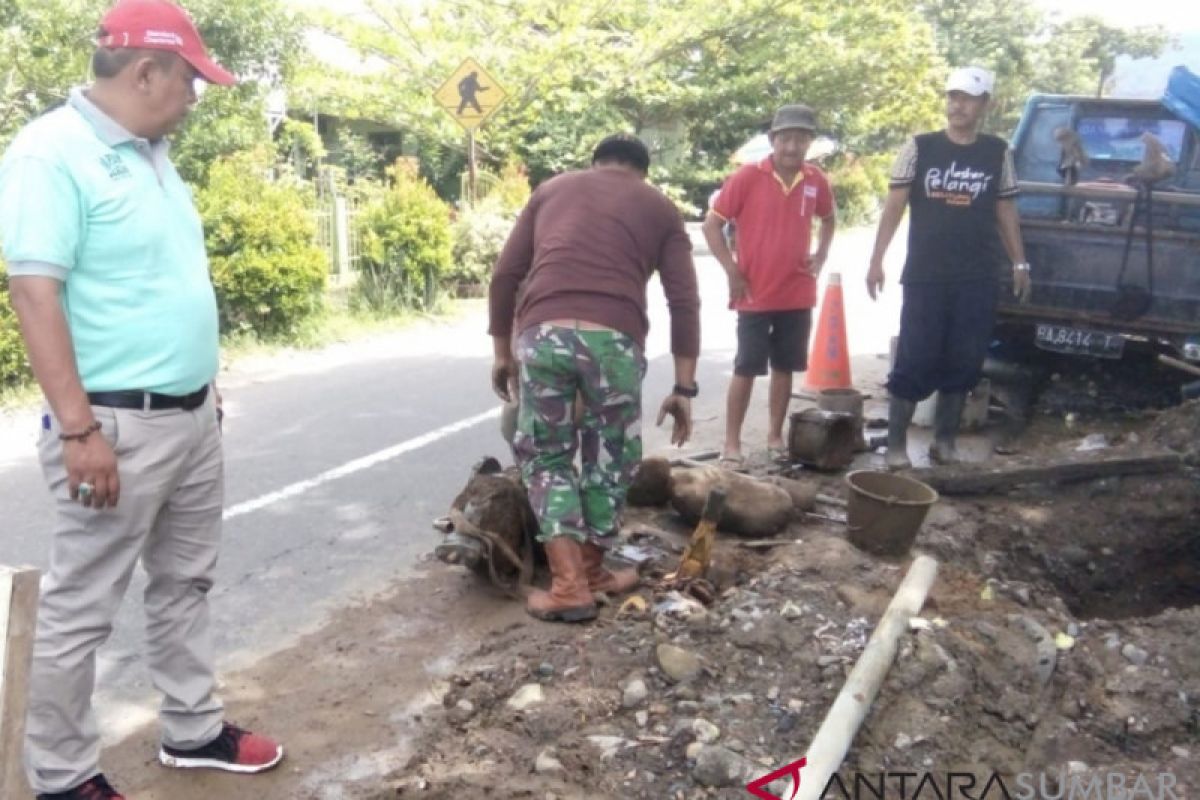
x=1059, y=635
x=1178, y=429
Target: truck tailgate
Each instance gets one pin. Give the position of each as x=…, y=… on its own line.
x=1076, y=271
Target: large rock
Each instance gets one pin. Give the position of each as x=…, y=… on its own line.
x=547, y=762
x=634, y=693
x=720, y=767
x=752, y=507
x=677, y=664
x=706, y=732
x=528, y=695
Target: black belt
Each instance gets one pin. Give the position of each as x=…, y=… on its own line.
x=149, y=401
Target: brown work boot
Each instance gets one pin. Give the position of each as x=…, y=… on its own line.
x=604, y=580
x=569, y=599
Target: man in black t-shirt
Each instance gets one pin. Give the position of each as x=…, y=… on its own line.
x=960, y=186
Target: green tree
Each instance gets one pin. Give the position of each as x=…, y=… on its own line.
x=578, y=69
x=44, y=51
x=356, y=156
x=1096, y=47
x=1029, y=52
x=14, y=363
x=45, y=48
x=258, y=41
x=999, y=35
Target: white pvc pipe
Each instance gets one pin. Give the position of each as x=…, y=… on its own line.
x=852, y=704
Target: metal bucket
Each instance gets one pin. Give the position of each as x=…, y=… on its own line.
x=822, y=439
x=885, y=511
x=845, y=401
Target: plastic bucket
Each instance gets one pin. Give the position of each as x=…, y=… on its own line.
x=885, y=511
x=822, y=439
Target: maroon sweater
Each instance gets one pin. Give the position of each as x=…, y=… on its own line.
x=584, y=248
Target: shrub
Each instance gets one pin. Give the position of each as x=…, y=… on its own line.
x=354, y=153
x=689, y=187
x=678, y=195
x=859, y=183
x=480, y=232
x=268, y=273
x=512, y=190
x=299, y=144
x=405, y=244
x=14, y=363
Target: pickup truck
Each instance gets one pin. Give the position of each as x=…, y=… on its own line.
x=1106, y=269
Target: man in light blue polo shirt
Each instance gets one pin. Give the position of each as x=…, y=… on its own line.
x=110, y=282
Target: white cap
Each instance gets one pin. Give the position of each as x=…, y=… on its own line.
x=972, y=80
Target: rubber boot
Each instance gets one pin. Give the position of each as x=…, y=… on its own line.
x=604, y=580
x=946, y=419
x=569, y=599
x=900, y=414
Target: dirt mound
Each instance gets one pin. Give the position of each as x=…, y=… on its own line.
x=1017, y=665
x=1179, y=429
x=1094, y=387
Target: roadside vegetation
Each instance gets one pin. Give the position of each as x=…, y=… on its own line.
x=696, y=80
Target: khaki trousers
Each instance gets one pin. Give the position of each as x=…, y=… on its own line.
x=169, y=515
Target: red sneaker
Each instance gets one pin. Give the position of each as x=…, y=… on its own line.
x=234, y=750
x=96, y=788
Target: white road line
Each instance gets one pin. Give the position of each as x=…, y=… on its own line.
x=358, y=465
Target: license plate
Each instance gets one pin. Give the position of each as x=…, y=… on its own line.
x=1079, y=341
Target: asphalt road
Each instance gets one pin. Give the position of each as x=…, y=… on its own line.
x=336, y=462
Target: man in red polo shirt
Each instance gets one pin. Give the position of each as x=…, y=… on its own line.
x=773, y=281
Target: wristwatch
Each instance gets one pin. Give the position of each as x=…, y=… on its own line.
x=683, y=391
x=1022, y=266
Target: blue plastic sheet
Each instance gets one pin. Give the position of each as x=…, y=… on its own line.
x=1183, y=95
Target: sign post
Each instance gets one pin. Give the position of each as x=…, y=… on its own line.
x=470, y=95
x=471, y=168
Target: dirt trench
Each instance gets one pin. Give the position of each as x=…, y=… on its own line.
x=1099, y=579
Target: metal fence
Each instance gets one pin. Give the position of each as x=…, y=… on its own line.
x=337, y=231
x=485, y=184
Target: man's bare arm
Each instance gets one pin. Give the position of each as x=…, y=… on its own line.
x=1009, y=224
x=714, y=233
x=824, y=240
x=889, y=221
x=52, y=356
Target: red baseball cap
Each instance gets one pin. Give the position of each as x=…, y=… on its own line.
x=160, y=25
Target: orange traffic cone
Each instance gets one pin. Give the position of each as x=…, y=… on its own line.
x=829, y=363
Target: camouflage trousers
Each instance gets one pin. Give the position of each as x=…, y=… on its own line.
x=605, y=369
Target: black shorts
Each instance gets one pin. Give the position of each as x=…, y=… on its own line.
x=780, y=337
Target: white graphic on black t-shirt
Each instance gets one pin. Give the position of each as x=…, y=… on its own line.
x=955, y=185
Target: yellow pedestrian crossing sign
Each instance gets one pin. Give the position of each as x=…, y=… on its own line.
x=470, y=95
